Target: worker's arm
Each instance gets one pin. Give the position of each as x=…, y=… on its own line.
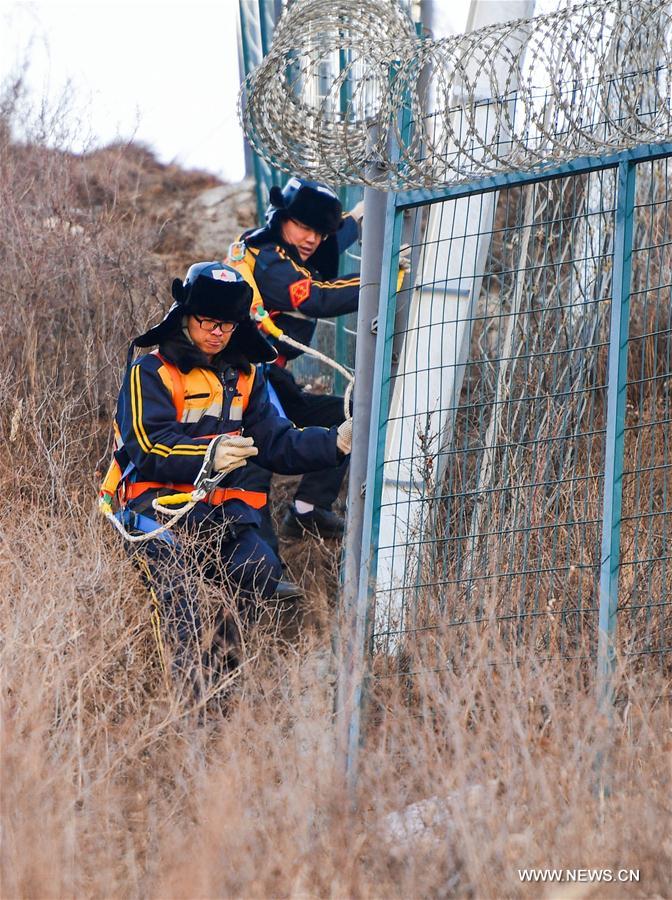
x=348, y=233
x=282, y=447
x=155, y=441
x=286, y=286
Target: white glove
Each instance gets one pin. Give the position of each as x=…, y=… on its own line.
x=405, y=257
x=233, y=452
x=357, y=211
x=344, y=436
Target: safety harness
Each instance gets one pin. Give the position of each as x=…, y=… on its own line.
x=242, y=258
x=120, y=485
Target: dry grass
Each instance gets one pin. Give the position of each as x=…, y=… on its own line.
x=114, y=785
x=113, y=788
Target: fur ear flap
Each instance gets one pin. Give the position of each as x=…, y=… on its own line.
x=177, y=290
x=275, y=197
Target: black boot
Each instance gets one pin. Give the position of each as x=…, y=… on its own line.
x=320, y=522
x=287, y=590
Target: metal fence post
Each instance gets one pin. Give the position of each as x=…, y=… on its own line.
x=353, y=616
x=345, y=98
x=615, y=430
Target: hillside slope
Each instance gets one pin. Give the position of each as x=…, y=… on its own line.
x=114, y=783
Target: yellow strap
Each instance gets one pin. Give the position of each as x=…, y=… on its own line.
x=267, y=324
x=111, y=479
x=246, y=268
x=175, y=499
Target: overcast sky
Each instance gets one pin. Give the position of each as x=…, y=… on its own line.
x=165, y=72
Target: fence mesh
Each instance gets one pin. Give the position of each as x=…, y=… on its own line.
x=499, y=458
x=645, y=585
x=493, y=472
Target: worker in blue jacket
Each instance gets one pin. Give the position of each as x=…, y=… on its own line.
x=294, y=259
x=204, y=381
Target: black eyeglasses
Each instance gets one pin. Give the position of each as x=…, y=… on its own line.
x=211, y=325
x=322, y=237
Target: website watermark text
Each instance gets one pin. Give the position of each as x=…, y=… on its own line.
x=586, y=876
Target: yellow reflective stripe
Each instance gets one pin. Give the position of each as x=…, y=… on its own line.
x=193, y=448
x=192, y=451
x=136, y=410
x=155, y=620
x=155, y=616
x=300, y=269
x=347, y=282
x=343, y=282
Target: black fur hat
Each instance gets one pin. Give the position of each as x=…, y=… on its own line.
x=215, y=291
x=228, y=301
x=311, y=203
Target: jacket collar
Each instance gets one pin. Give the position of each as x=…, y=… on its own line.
x=179, y=350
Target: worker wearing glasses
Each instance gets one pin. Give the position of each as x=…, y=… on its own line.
x=203, y=381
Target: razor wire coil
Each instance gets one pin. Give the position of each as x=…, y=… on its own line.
x=348, y=92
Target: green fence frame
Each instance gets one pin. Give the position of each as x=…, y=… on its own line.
x=624, y=166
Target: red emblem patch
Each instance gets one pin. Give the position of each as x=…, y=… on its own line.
x=299, y=291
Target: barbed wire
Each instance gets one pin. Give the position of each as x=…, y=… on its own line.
x=350, y=94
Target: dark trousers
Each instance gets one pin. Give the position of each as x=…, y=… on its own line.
x=240, y=562
x=304, y=409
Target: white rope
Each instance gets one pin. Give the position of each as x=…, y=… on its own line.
x=330, y=362
x=150, y=535
x=200, y=494
x=204, y=477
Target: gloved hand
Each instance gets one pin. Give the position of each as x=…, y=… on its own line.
x=344, y=436
x=233, y=452
x=357, y=211
x=404, y=264
x=405, y=257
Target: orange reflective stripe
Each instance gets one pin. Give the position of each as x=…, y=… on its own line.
x=255, y=499
x=134, y=488
x=178, y=384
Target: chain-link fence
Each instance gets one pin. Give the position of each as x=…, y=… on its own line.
x=513, y=475
x=490, y=503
